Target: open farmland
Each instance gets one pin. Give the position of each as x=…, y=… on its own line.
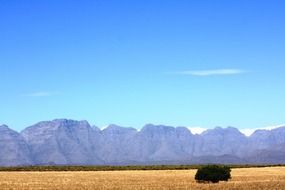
x=243, y=178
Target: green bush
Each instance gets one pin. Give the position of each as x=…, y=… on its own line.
x=213, y=173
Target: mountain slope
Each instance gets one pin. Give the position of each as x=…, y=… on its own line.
x=62, y=142
x=13, y=148
x=69, y=142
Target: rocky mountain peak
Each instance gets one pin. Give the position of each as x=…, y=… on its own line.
x=223, y=131
x=4, y=127
x=112, y=128
x=157, y=128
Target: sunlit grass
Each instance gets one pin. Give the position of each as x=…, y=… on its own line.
x=246, y=178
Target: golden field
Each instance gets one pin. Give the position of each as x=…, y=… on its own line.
x=271, y=178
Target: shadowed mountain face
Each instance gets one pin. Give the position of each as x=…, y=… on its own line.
x=13, y=148
x=62, y=142
x=69, y=142
x=221, y=141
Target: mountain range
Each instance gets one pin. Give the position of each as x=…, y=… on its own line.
x=70, y=142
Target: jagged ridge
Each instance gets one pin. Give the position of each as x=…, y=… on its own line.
x=69, y=142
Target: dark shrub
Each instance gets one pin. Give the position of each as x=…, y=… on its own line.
x=213, y=173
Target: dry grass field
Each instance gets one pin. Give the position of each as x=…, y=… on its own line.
x=271, y=178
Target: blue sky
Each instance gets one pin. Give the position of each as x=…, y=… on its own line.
x=192, y=63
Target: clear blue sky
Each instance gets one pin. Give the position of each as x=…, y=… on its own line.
x=194, y=63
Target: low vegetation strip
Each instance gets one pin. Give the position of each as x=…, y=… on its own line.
x=119, y=168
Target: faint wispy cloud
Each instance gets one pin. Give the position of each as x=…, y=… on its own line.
x=213, y=72
x=41, y=94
